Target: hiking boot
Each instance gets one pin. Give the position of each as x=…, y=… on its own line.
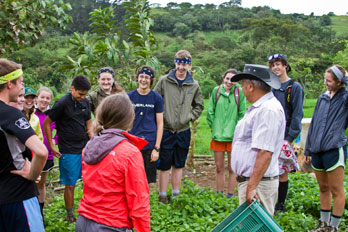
x=163, y=199
x=70, y=218
x=280, y=207
x=321, y=227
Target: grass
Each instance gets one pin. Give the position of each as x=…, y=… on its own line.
x=210, y=35
x=340, y=24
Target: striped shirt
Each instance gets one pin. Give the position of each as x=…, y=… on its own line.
x=262, y=128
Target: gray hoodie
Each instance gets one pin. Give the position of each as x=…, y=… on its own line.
x=101, y=145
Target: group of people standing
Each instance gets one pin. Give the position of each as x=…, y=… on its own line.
x=132, y=135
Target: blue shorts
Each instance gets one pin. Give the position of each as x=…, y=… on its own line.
x=21, y=216
x=174, y=149
x=329, y=160
x=70, y=167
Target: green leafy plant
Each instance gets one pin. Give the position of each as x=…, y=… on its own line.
x=24, y=21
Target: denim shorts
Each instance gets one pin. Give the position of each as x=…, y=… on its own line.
x=70, y=167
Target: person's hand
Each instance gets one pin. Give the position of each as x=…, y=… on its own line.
x=24, y=172
x=250, y=195
x=154, y=155
x=56, y=153
x=308, y=159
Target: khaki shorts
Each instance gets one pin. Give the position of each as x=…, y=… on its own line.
x=267, y=191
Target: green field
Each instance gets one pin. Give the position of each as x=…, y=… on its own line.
x=340, y=24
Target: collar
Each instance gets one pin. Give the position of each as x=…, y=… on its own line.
x=188, y=78
x=102, y=93
x=262, y=99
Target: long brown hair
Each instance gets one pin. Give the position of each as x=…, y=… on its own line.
x=115, y=111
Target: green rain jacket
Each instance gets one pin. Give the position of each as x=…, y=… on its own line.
x=182, y=105
x=223, y=115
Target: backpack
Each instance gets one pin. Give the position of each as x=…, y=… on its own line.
x=288, y=104
x=236, y=96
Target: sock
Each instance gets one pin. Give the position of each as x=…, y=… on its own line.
x=69, y=211
x=335, y=220
x=282, y=191
x=229, y=195
x=325, y=215
x=175, y=192
x=163, y=194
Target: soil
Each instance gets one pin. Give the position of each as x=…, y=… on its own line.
x=203, y=173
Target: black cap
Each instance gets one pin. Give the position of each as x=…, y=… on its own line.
x=258, y=72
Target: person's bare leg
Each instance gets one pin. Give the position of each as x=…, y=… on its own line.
x=220, y=170
x=232, y=181
x=176, y=177
x=325, y=194
x=69, y=196
x=336, y=186
x=41, y=187
x=164, y=180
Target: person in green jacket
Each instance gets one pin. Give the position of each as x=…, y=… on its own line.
x=107, y=86
x=226, y=107
x=183, y=103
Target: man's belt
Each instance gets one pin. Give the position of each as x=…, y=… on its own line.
x=241, y=179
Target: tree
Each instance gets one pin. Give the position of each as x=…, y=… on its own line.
x=25, y=21
x=325, y=20
x=181, y=29
x=106, y=48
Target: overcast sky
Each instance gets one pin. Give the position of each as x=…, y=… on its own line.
x=319, y=7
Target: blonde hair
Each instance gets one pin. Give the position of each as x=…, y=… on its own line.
x=42, y=89
x=115, y=111
x=182, y=54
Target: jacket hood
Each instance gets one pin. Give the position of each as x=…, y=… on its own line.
x=188, y=78
x=103, y=143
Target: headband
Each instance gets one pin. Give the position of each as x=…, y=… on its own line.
x=337, y=72
x=103, y=70
x=184, y=61
x=147, y=72
x=11, y=76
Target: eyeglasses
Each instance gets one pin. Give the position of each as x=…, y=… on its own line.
x=278, y=55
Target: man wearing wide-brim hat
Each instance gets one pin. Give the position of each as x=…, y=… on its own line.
x=258, y=138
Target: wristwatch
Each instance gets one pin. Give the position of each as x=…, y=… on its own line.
x=157, y=148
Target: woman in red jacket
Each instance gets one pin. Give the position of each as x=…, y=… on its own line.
x=115, y=190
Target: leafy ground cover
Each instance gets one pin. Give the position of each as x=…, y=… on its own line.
x=201, y=209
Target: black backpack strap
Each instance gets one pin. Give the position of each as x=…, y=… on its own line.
x=288, y=103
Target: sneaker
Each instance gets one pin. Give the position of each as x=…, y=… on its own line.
x=280, y=207
x=162, y=199
x=70, y=218
x=321, y=227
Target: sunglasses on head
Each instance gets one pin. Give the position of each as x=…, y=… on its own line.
x=278, y=55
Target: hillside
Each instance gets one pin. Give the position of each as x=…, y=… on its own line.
x=340, y=24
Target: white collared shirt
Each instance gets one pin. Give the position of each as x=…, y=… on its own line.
x=261, y=128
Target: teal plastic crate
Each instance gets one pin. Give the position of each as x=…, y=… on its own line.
x=248, y=218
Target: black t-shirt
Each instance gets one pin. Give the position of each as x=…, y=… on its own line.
x=70, y=117
x=14, y=132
